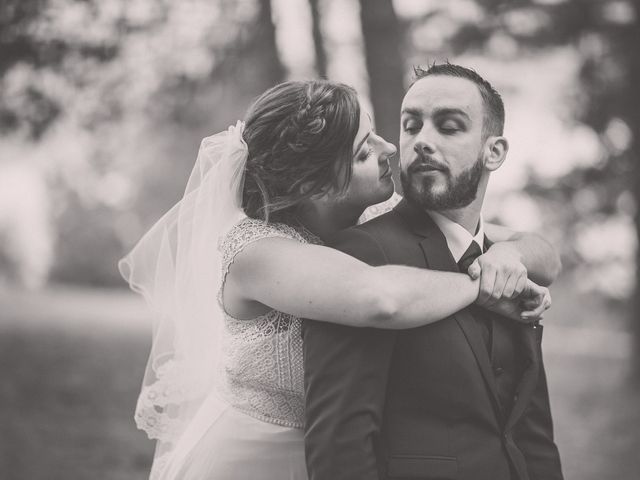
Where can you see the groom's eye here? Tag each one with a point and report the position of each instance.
(450, 126)
(411, 126)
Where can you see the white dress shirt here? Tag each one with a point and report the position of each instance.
(458, 238)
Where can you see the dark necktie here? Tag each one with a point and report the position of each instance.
(484, 320)
(473, 252)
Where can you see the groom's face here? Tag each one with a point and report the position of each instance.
(441, 142)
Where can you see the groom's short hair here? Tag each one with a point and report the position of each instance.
(493, 120)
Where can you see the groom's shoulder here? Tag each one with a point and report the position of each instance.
(388, 224)
(371, 240)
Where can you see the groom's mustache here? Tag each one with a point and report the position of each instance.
(426, 163)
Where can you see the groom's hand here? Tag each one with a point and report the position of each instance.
(528, 307)
(501, 273)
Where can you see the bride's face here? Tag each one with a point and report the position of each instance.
(371, 180)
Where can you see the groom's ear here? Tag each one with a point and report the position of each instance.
(495, 152)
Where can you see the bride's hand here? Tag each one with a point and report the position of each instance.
(501, 273)
(528, 307)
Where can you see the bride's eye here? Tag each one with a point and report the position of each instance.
(364, 155)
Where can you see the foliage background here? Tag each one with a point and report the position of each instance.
(102, 107)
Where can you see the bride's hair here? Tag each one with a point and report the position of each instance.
(300, 138)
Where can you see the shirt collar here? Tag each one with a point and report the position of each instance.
(458, 238)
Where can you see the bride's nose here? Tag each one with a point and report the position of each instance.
(389, 150)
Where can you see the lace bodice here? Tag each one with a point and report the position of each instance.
(380, 208)
(262, 357)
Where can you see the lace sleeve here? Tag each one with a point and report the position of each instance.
(248, 231)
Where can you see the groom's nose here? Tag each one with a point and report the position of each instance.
(424, 140)
(424, 147)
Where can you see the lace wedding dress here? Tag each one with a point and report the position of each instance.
(222, 397)
(258, 430)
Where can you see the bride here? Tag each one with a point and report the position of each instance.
(232, 268)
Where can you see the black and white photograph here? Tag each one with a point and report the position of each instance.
(319, 239)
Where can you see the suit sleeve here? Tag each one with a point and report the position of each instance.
(534, 433)
(346, 372)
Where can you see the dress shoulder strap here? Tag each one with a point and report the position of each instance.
(248, 231)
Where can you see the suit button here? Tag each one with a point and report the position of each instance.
(515, 398)
(498, 371)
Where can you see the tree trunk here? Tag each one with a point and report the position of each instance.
(318, 40)
(263, 52)
(385, 65)
(250, 66)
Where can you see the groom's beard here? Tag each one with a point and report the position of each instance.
(460, 191)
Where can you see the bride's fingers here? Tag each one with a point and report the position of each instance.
(547, 301)
(487, 282)
(531, 303)
(534, 313)
(475, 270)
(510, 287)
(520, 285)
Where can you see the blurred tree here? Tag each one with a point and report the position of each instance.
(607, 35)
(385, 65)
(25, 46)
(114, 113)
(318, 40)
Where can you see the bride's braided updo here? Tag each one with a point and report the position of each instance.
(300, 137)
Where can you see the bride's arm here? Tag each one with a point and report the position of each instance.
(312, 281)
(536, 254)
(321, 283)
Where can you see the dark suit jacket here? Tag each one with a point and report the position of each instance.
(419, 403)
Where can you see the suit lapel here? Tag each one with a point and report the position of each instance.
(529, 336)
(438, 257)
(529, 340)
(471, 330)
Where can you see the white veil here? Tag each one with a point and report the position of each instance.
(176, 266)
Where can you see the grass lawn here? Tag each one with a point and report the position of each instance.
(71, 362)
(69, 387)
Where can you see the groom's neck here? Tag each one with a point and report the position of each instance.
(468, 217)
(325, 222)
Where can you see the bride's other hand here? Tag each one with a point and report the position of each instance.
(528, 307)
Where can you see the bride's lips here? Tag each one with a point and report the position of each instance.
(386, 173)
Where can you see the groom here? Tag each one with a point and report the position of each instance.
(464, 398)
